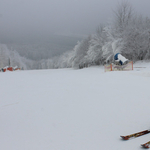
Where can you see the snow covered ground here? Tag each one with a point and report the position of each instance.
(69, 109)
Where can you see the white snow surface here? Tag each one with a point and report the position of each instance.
(68, 109)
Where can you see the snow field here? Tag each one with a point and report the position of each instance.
(68, 109)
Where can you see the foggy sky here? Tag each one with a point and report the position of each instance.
(59, 16)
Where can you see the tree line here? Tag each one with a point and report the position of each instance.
(127, 33)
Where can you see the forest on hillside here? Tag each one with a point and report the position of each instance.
(127, 33)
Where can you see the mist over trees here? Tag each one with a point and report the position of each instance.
(12, 58)
(127, 33)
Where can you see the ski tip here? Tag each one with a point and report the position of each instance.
(145, 145)
(124, 137)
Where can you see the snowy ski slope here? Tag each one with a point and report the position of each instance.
(67, 109)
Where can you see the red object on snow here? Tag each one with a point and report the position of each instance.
(10, 68)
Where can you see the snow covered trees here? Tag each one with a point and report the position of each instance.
(123, 15)
(12, 58)
(127, 33)
(4, 56)
(80, 51)
(94, 53)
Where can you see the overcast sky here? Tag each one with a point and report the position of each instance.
(60, 16)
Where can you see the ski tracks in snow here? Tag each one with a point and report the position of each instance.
(10, 104)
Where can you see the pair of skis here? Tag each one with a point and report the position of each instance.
(145, 145)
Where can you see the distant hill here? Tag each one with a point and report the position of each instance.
(36, 46)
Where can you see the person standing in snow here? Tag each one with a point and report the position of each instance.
(120, 60)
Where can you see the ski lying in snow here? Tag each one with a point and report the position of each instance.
(127, 137)
(146, 145)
